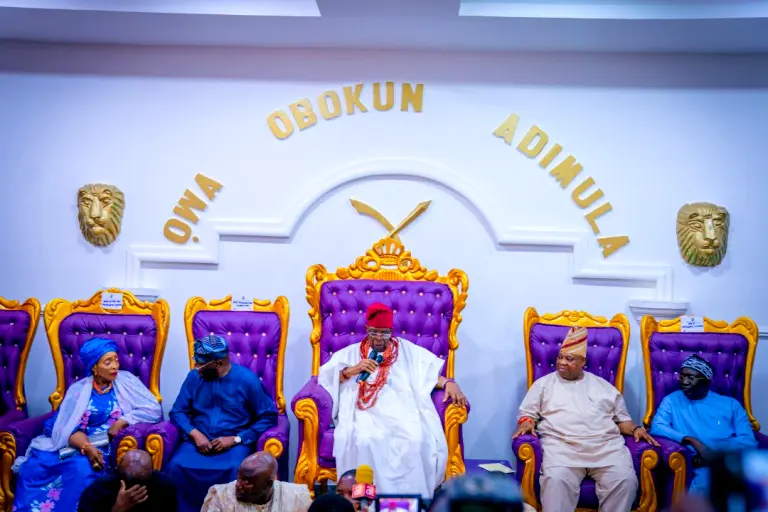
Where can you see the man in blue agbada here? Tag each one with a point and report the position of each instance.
(702, 420)
(221, 411)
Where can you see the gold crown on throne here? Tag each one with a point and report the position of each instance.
(387, 259)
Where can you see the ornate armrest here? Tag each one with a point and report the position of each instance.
(313, 407)
(161, 441)
(11, 416)
(130, 438)
(527, 450)
(678, 465)
(437, 399)
(762, 440)
(644, 454)
(275, 439)
(14, 440)
(21, 433)
(645, 457)
(452, 417)
(313, 403)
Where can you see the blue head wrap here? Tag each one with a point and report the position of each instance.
(210, 348)
(694, 362)
(93, 349)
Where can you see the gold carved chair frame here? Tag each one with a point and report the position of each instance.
(7, 442)
(573, 318)
(742, 325)
(386, 260)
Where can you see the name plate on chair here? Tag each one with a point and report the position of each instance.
(242, 303)
(113, 301)
(691, 324)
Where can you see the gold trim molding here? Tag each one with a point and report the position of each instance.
(280, 307)
(571, 318)
(59, 309)
(31, 306)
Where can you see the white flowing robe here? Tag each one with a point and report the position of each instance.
(401, 436)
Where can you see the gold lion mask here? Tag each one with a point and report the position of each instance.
(702, 233)
(100, 212)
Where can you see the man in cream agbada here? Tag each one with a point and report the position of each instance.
(581, 419)
(388, 420)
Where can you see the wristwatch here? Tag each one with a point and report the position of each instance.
(238, 440)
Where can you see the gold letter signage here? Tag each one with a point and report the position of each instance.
(178, 231)
(565, 172)
(331, 104)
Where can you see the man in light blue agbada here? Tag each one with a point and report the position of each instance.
(702, 420)
(221, 411)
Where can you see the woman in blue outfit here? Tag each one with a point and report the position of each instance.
(107, 401)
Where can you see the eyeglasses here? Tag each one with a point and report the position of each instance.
(379, 334)
(690, 378)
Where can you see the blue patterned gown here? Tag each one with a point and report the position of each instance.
(46, 483)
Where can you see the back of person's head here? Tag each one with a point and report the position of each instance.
(478, 492)
(135, 467)
(331, 503)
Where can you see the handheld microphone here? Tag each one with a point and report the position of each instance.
(376, 356)
(364, 490)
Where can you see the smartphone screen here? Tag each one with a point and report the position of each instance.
(398, 503)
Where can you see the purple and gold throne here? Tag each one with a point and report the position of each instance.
(140, 330)
(18, 325)
(256, 340)
(608, 341)
(730, 348)
(427, 311)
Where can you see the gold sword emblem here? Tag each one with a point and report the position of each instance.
(370, 211)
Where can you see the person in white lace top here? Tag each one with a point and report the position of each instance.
(257, 489)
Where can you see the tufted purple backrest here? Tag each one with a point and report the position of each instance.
(135, 336)
(726, 352)
(604, 350)
(253, 338)
(422, 312)
(14, 327)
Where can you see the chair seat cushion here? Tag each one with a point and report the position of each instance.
(588, 495)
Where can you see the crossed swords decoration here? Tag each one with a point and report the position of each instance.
(366, 209)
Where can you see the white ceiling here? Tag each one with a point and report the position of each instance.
(489, 25)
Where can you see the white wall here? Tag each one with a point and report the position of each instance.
(654, 131)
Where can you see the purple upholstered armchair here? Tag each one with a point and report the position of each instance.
(608, 341)
(140, 330)
(257, 341)
(731, 350)
(18, 325)
(427, 311)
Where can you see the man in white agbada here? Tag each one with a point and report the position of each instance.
(388, 420)
(580, 419)
(257, 489)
